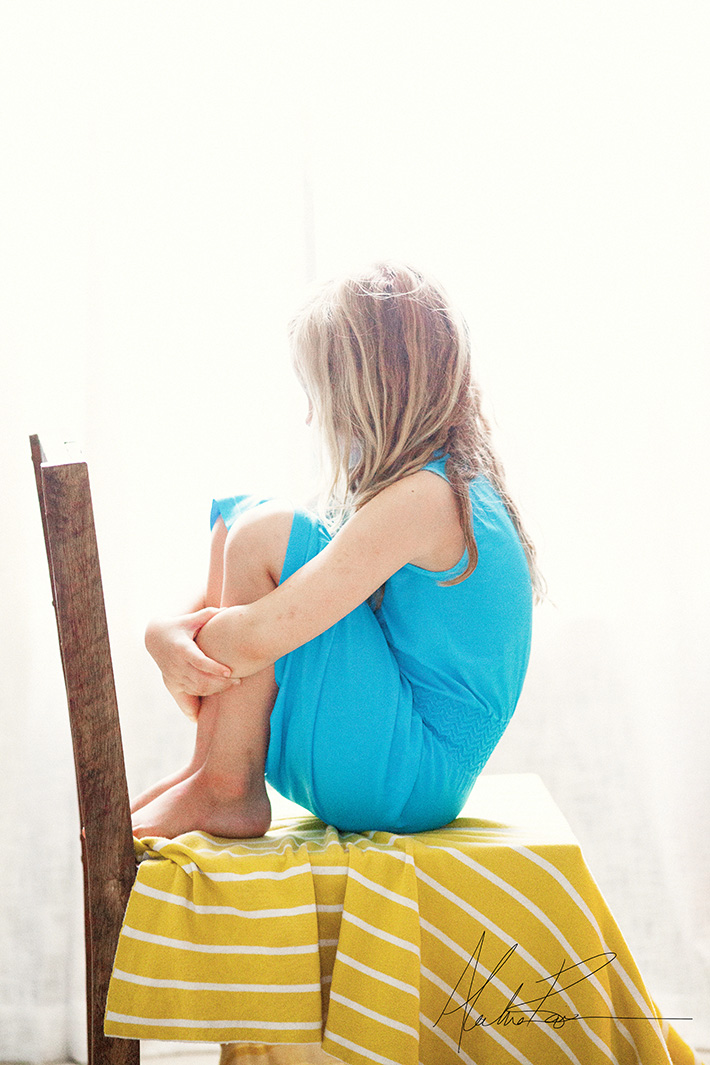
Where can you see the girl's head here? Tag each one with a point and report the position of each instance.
(385, 360)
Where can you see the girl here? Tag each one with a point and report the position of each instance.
(369, 674)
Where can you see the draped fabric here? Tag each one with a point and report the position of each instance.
(486, 940)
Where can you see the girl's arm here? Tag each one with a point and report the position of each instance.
(403, 523)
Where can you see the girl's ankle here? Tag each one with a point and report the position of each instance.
(221, 786)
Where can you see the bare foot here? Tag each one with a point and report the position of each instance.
(197, 804)
(162, 785)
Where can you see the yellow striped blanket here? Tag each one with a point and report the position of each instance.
(485, 941)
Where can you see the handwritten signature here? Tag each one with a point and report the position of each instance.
(534, 1010)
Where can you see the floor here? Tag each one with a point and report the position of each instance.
(170, 1054)
(206, 1056)
(209, 1055)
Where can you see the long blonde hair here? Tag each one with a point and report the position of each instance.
(385, 360)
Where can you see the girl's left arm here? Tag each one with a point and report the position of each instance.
(399, 525)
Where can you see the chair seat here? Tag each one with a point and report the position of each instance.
(487, 940)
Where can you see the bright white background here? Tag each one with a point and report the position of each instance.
(172, 174)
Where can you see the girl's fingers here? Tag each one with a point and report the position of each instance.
(208, 668)
(200, 663)
(200, 683)
(201, 617)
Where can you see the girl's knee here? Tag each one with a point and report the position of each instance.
(259, 538)
(269, 522)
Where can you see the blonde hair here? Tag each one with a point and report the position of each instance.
(385, 360)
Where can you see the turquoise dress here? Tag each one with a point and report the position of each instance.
(385, 720)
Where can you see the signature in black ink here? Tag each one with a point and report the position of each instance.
(534, 1010)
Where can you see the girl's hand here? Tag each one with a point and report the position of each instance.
(187, 672)
(189, 704)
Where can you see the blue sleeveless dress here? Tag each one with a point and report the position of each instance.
(386, 719)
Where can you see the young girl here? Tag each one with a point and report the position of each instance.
(368, 674)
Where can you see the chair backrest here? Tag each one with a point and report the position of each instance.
(107, 842)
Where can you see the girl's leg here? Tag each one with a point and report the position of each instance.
(213, 597)
(225, 793)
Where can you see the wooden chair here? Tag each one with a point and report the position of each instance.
(106, 837)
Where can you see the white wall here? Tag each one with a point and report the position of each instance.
(172, 175)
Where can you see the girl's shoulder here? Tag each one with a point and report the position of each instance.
(420, 487)
(482, 492)
(417, 499)
(430, 504)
